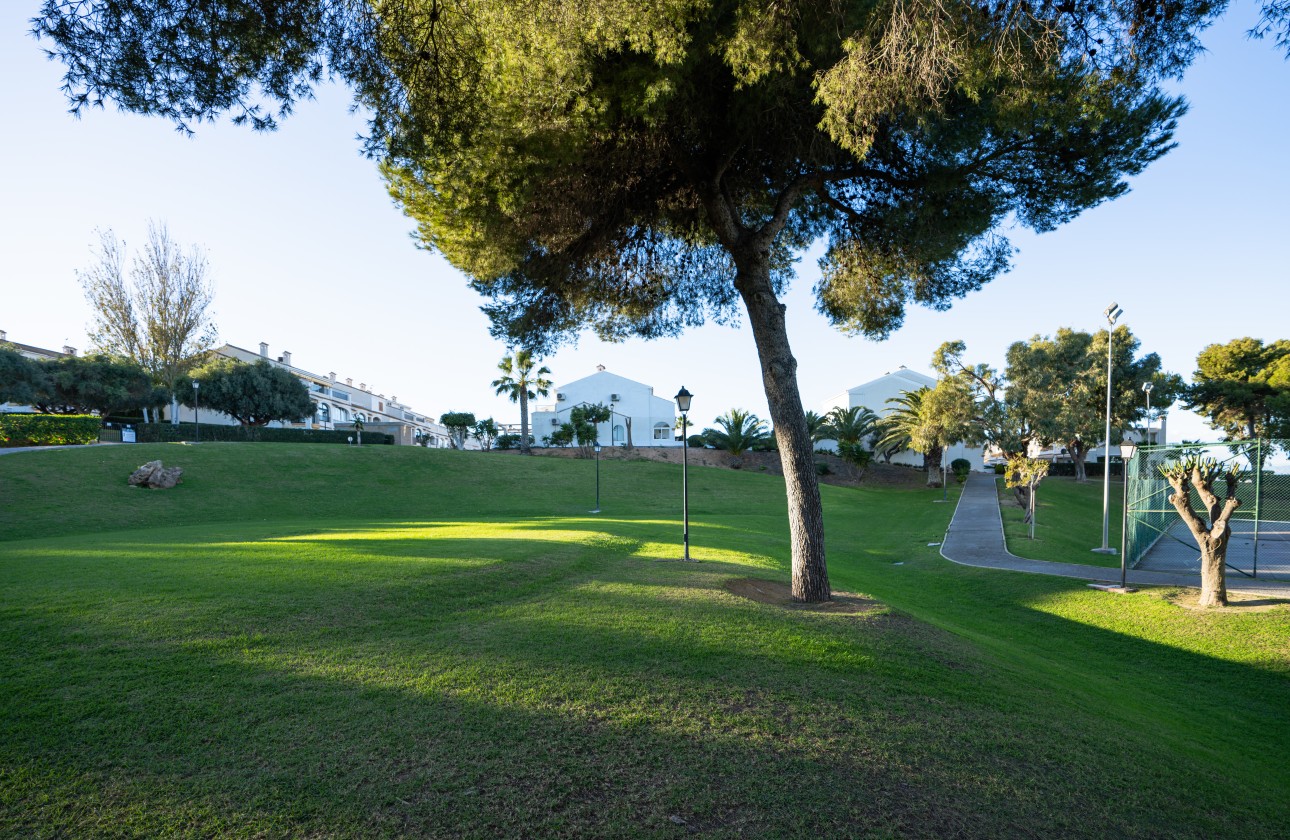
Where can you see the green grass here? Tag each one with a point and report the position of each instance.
(318, 641)
(1068, 524)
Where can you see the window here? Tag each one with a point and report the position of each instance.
(620, 434)
(324, 413)
(342, 415)
(662, 431)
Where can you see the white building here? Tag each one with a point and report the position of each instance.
(338, 404)
(873, 395)
(637, 416)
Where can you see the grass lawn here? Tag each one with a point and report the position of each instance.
(322, 641)
(1068, 524)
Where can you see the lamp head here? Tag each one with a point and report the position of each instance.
(683, 400)
(1148, 387)
(1112, 313)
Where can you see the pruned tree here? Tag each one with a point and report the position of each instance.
(639, 168)
(520, 382)
(459, 425)
(1023, 476)
(584, 426)
(253, 394)
(1211, 530)
(158, 312)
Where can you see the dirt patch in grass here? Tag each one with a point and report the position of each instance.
(781, 595)
(1237, 602)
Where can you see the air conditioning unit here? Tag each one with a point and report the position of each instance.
(555, 421)
(561, 397)
(615, 397)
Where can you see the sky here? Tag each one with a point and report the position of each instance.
(308, 253)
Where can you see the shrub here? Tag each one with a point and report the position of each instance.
(961, 467)
(696, 441)
(822, 468)
(167, 433)
(1000, 469)
(48, 429)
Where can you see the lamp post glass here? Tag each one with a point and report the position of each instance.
(1112, 313)
(683, 398)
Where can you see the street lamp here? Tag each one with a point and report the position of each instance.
(597, 448)
(197, 417)
(1146, 432)
(1112, 313)
(683, 404)
(1127, 451)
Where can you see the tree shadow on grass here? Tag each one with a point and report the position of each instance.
(588, 691)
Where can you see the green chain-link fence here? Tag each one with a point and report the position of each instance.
(1157, 539)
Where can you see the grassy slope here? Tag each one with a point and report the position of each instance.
(396, 641)
(1068, 524)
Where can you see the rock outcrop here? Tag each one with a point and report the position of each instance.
(154, 476)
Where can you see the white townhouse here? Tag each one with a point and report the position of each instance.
(874, 394)
(637, 416)
(337, 404)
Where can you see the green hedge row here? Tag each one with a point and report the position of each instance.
(47, 429)
(167, 433)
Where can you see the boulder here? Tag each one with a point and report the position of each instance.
(155, 476)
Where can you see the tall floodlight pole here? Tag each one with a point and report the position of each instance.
(1112, 313)
(1146, 431)
(683, 404)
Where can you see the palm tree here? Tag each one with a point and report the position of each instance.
(740, 431)
(909, 423)
(521, 383)
(849, 427)
(817, 425)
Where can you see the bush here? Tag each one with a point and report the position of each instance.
(1000, 469)
(822, 468)
(167, 433)
(696, 441)
(48, 429)
(961, 467)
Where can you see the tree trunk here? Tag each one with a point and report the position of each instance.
(1078, 453)
(524, 420)
(932, 462)
(628, 420)
(1213, 572)
(779, 377)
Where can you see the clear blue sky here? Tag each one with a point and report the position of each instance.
(309, 254)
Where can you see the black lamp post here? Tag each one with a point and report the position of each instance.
(683, 403)
(597, 449)
(197, 417)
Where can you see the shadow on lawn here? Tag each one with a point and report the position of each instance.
(587, 691)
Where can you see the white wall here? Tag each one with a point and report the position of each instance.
(635, 400)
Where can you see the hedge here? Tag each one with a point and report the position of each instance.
(168, 433)
(48, 429)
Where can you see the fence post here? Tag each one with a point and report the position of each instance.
(1258, 499)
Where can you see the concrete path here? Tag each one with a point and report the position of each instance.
(10, 450)
(975, 538)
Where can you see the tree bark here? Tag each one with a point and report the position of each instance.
(779, 377)
(1078, 452)
(1212, 537)
(932, 463)
(524, 421)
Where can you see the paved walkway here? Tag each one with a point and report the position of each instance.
(10, 450)
(975, 538)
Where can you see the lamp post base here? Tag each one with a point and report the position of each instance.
(1106, 551)
(1112, 587)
